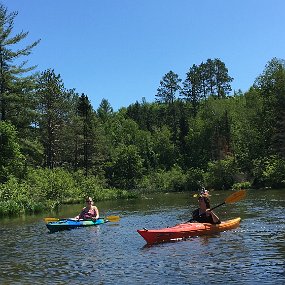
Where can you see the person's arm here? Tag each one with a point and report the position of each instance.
(80, 216)
(97, 213)
(195, 215)
(215, 218)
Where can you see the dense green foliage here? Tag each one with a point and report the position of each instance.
(55, 148)
(46, 189)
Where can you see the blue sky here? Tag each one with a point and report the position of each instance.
(120, 49)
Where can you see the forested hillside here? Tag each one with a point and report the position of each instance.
(55, 147)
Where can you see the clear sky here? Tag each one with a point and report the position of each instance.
(120, 49)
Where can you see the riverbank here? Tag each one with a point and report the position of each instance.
(46, 190)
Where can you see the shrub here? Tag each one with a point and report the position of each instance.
(220, 174)
(269, 172)
(47, 189)
(11, 159)
(56, 185)
(241, 185)
(165, 181)
(194, 179)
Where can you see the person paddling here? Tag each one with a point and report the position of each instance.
(203, 214)
(90, 212)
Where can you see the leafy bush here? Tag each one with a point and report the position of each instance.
(241, 185)
(46, 189)
(125, 171)
(19, 198)
(165, 181)
(269, 172)
(220, 174)
(194, 179)
(56, 184)
(11, 159)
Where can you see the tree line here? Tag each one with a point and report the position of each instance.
(54, 143)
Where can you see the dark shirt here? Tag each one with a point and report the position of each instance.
(203, 218)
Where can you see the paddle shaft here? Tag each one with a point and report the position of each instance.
(108, 218)
(218, 206)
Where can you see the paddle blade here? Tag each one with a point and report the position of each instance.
(235, 197)
(47, 220)
(113, 218)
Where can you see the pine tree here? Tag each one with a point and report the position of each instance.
(105, 110)
(84, 111)
(54, 106)
(192, 90)
(13, 86)
(169, 85)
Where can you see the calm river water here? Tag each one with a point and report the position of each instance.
(114, 253)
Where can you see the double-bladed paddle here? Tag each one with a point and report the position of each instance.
(233, 198)
(108, 218)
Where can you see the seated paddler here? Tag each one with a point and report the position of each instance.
(203, 214)
(90, 212)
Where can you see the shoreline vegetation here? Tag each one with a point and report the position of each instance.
(45, 190)
(56, 148)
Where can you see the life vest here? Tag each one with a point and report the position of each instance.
(202, 218)
(86, 215)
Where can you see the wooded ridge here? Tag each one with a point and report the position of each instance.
(55, 148)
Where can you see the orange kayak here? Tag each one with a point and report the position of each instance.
(186, 230)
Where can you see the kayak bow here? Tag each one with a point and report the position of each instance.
(186, 230)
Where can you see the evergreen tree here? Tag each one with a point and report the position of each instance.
(207, 79)
(84, 111)
(192, 90)
(54, 106)
(169, 85)
(13, 86)
(216, 77)
(105, 110)
(222, 79)
(166, 93)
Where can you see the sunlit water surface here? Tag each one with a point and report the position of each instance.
(114, 253)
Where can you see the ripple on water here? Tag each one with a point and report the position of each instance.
(254, 253)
